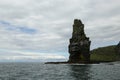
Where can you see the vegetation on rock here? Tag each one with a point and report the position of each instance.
(107, 53)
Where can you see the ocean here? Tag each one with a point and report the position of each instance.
(41, 71)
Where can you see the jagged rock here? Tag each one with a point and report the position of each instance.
(79, 47)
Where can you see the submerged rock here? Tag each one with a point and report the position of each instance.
(79, 47)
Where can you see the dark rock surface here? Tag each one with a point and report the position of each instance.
(79, 47)
(81, 62)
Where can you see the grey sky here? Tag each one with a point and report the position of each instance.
(45, 26)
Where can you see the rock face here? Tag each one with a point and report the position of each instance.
(79, 47)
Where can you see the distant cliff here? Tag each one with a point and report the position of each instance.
(108, 53)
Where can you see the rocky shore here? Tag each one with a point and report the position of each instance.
(82, 62)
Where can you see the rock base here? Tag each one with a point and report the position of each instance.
(82, 62)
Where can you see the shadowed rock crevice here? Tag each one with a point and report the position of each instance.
(79, 47)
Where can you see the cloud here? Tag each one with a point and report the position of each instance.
(46, 25)
(28, 56)
(11, 27)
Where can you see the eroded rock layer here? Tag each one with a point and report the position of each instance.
(79, 47)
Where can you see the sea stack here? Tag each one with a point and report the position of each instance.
(79, 47)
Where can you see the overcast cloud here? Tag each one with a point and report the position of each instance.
(43, 27)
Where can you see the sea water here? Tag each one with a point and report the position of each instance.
(41, 71)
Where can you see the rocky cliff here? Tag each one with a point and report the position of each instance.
(79, 47)
(118, 49)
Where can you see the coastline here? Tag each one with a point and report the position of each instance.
(82, 62)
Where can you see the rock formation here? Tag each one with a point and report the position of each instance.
(79, 47)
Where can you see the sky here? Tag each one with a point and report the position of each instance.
(35, 30)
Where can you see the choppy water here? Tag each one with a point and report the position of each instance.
(40, 71)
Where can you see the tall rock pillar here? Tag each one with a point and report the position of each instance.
(79, 47)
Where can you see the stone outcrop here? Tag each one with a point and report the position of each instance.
(79, 47)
